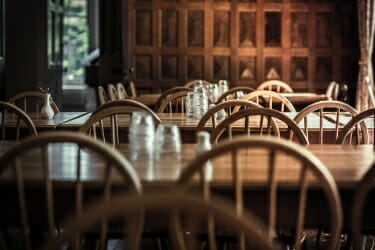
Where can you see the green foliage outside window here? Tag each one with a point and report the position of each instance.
(75, 40)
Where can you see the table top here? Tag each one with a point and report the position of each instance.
(346, 163)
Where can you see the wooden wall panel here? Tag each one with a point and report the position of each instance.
(307, 43)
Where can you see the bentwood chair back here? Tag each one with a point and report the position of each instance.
(105, 122)
(169, 207)
(32, 101)
(122, 93)
(276, 85)
(356, 131)
(102, 95)
(259, 121)
(233, 93)
(167, 93)
(363, 194)
(280, 157)
(214, 114)
(14, 121)
(31, 166)
(112, 92)
(273, 100)
(132, 89)
(333, 113)
(174, 103)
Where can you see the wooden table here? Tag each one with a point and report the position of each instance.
(346, 163)
(187, 126)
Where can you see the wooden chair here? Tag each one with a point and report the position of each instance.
(275, 85)
(191, 84)
(260, 121)
(122, 93)
(273, 99)
(132, 89)
(355, 131)
(331, 112)
(231, 93)
(168, 207)
(169, 92)
(85, 154)
(174, 103)
(277, 154)
(102, 95)
(112, 115)
(362, 194)
(112, 92)
(31, 101)
(332, 90)
(227, 107)
(13, 116)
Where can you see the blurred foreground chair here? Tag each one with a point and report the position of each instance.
(245, 173)
(172, 207)
(258, 121)
(332, 113)
(15, 118)
(34, 187)
(363, 195)
(273, 100)
(32, 101)
(275, 85)
(105, 121)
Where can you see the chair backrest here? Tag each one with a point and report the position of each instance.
(84, 157)
(361, 195)
(169, 207)
(32, 101)
(355, 131)
(276, 85)
(132, 89)
(193, 83)
(232, 93)
(333, 112)
(332, 90)
(214, 113)
(105, 121)
(14, 117)
(259, 121)
(122, 93)
(167, 93)
(273, 100)
(102, 95)
(278, 158)
(174, 103)
(112, 92)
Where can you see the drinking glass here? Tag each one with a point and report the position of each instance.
(141, 136)
(167, 148)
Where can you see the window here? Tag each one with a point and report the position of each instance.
(75, 41)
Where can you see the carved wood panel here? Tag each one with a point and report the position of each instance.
(307, 43)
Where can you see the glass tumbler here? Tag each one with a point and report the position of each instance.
(167, 154)
(141, 135)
